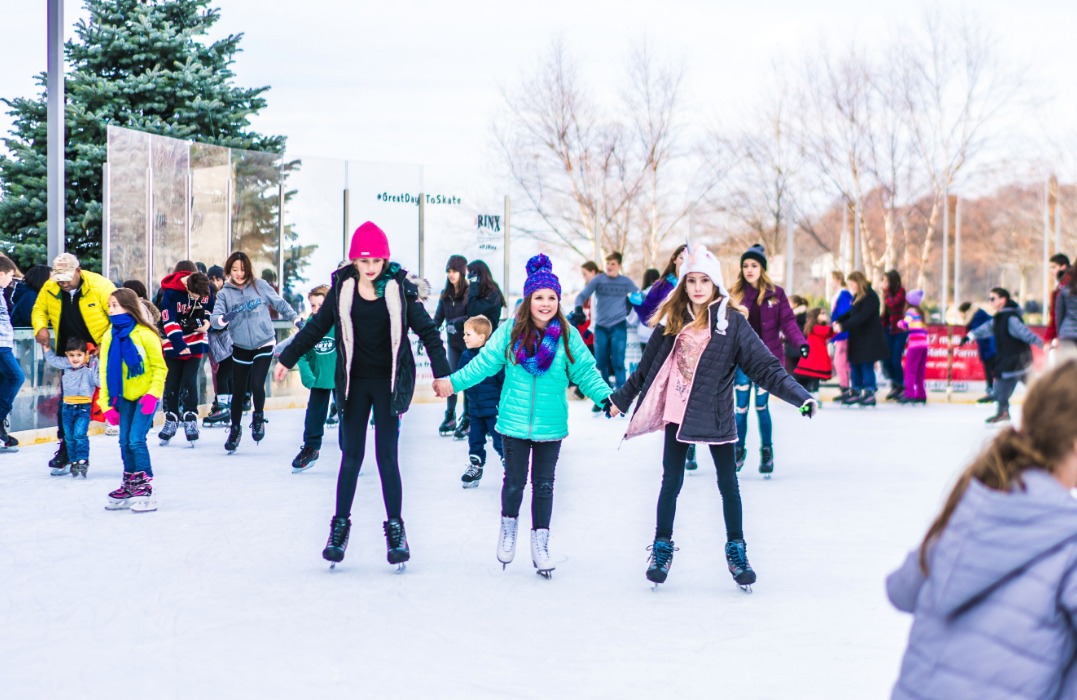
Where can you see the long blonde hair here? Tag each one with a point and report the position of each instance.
(671, 310)
(1048, 432)
(863, 286)
(764, 285)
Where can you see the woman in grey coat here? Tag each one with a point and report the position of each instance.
(242, 307)
(993, 586)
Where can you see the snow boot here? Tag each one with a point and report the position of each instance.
(766, 460)
(80, 468)
(339, 529)
(396, 542)
(169, 430)
(141, 490)
(690, 460)
(7, 443)
(304, 460)
(506, 546)
(258, 427)
(540, 552)
(740, 455)
(660, 560)
(473, 474)
(220, 414)
(60, 458)
(462, 429)
(448, 426)
(736, 556)
(190, 426)
(234, 436)
(120, 498)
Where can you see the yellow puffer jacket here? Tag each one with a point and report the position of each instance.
(93, 301)
(152, 379)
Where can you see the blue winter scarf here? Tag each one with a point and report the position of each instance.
(122, 351)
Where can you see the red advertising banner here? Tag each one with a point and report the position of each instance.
(966, 366)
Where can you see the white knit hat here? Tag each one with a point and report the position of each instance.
(699, 259)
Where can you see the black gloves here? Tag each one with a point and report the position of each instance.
(804, 350)
(607, 406)
(964, 339)
(577, 317)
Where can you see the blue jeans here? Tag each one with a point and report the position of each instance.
(610, 344)
(134, 425)
(481, 426)
(862, 376)
(896, 343)
(743, 389)
(76, 418)
(11, 379)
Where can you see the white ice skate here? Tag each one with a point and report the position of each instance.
(506, 548)
(540, 552)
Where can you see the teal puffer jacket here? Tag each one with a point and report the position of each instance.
(534, 408)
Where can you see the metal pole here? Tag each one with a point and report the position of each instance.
(789, 255)
(55, 88)
(857, 254)
(957, 252)
(1046, 248)
(508, 258)
(944, 295)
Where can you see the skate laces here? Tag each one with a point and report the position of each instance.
(338, 532)
(662, 552)
(473, 470)
(508, 534)
(737, 553)
(542, 545)
(394, 532)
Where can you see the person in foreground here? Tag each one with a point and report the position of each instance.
(540, 354)
(371, 306)
(685, 387)
(132, 380)
(993, 586)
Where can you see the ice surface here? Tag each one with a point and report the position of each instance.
(222, 593)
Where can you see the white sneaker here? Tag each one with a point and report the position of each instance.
(112, 429)
(540, 552)
(506, 548)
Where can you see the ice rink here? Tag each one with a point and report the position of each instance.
(222, 593)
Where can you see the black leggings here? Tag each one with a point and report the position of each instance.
(543, 458)
(673, 477)
(364, 395)
(181, 385)
(250, 365)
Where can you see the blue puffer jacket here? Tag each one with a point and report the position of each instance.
(995, 616)
(482, 399)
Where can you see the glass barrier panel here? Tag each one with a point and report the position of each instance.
(255, 210)
(37, 404)
(210, 180)
(128, 213)
(170, 199)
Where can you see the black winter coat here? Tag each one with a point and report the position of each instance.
(867, 337)
(483, 398)
(489, 306)
(453, 312)
(403, 298)
(708, 417)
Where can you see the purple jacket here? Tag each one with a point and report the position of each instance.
(659, 291)
(776, 319)
(995, 617)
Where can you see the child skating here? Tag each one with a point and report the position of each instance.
(78, 382)
(685, 387)
(915, 349)
(132, 380)
(482, 400)
(540, 354)
(317, 370)
(817, 366)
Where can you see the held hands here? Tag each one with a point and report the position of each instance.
(443, 388)
(611, 410)
(809, 409)
(577, 317)
(804, 350)
(148, 404)
(42, 337)
(837, 328)
(278, 373)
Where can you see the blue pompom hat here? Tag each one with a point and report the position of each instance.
(540, 276)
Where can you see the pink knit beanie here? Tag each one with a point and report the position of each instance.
(369, 241)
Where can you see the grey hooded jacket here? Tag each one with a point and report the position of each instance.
(75, 382)
(245, 311)
(995, 616)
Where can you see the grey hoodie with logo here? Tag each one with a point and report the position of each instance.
(995, 616)
(244, 311)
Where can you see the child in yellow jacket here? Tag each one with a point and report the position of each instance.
(133, 371)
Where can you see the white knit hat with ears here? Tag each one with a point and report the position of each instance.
(698, 259)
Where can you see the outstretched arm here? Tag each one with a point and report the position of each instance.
(756, 361)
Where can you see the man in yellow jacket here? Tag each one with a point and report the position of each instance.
(75, 303)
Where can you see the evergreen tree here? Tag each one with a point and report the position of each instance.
(137, 64)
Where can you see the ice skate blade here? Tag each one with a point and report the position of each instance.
(300, 470)
(5, 448)
(332, 566)
(401, 568)
(60, 472)
(767, 476)
(114, 504)
(144, 506)
(471, 484)
(747, 587)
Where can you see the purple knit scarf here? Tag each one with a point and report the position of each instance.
(545, 350)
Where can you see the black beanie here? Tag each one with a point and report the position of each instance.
(458, 263)
(757, 253)
(215, 271)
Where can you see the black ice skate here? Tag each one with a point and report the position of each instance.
(740, 455)
(989, 397)
(462, 429)
(766, 461)
(851, 399)
(62, 469)
(339, 529)
(396, 542)
(448, 426)
(169, 430)
(690, 460)
(867, 399)
(220, 415)
(840, 398)
(80, 468)
(736, 555)
(60, 458)
(895, 393)
(7, 443)
(1000, 418)
(660, 560)
(190, 426)
(234, 436)
(334, 417)
(304, 460)
(473, 474)
(258, 427)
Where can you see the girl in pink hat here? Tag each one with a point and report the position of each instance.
(372, 305)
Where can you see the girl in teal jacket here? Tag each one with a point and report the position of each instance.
(541, 353)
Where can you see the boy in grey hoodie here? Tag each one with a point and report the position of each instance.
(79, 382)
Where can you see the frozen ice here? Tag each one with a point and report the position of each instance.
(222, 593)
